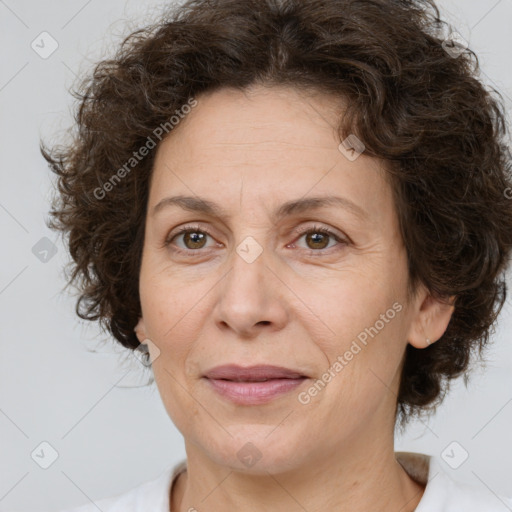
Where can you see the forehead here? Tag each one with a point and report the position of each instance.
(265, 116)
(271, 143)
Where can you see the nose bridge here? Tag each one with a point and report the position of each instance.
(245, 282)
(247, 298)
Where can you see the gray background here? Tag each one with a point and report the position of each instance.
(54, 388)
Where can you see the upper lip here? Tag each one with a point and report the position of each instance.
(251, 373)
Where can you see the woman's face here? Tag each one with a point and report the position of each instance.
(245, 286)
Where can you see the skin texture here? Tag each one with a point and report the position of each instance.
(300, 304)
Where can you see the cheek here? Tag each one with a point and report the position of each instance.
(362, 381)
(366, 349)
(171, 307)
(371, 337)
(350, 305)
(182, 409)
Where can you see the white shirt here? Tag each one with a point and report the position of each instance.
(442, 493)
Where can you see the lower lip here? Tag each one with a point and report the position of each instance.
(254, 393)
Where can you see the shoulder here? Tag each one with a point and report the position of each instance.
(444, 493)
(457, 496)
(150, 495)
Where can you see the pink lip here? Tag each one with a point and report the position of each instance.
(239, 384)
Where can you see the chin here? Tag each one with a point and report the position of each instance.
(255, 449)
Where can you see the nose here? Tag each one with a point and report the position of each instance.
(252, 296)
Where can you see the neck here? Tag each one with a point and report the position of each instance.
(345, 483)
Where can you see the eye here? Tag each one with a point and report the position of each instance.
(317, 238)
(193, 237)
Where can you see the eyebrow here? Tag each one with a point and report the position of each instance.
(201, 205)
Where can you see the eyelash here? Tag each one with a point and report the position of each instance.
(300, 231)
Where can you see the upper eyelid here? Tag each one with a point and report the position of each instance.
(190, 227)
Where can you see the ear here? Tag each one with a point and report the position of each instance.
(140, 331)
(430, 318)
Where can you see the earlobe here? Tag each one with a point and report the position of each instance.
(432, 317)
(140, 331)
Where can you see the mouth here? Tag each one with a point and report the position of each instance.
(253, 385)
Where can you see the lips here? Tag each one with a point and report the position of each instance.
(258, 373)
(253, 385)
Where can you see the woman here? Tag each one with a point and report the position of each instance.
(297, 209)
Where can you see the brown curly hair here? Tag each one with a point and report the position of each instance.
(411, 102)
